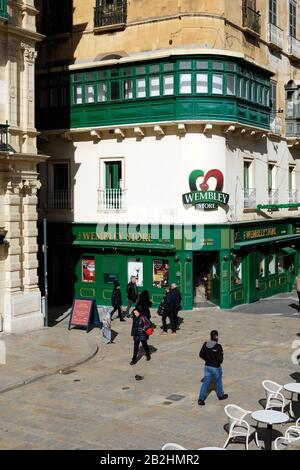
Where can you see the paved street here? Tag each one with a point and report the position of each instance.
(100, 405)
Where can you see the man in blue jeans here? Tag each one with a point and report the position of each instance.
(212, 353)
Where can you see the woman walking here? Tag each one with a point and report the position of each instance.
(145, 303)
(139, 326)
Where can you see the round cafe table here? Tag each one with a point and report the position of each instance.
(294, 388)
(269, 417)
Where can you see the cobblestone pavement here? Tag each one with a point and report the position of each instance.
(100, 404)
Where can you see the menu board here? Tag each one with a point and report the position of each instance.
(84, 313)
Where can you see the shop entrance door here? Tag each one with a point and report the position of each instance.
(206, 278)
(252, 276)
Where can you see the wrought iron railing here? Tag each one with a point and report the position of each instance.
(275, 35)
(293, 196)
(292, 128)
(61, 199)
(273, 196)
(108, 14)
(249, 198)
(112, 200)
(251, 18)
(294, 47)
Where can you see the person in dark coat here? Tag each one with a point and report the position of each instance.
(166, 311)
(212, 353)
(139, 326)
(132, 294)
(145, 303)
(116, 300)
(176, 303)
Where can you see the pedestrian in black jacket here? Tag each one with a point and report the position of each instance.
(132, 294)
(166, 311)
(116, 300)
(139, 326)
(176, 303)
(145, 303)
(212, 353)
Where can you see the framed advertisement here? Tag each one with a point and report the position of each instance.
(160, 273)
(135, 268)
(88, 270)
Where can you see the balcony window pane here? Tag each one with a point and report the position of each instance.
(77, 77)
(115, 90)
(168, 85)
(230, 88)
(102, 92)
(154, 68)
(154, 86)
(201, 64)
(141, 88)
(101, 74)
(168, 67)
(114, 73)
(140, 70)
(89, 77)
(127, 71)
(230, 66)
(218, 65)
(217, 84)
(185, 65)
(128, 86)
(185, 83)
(202, 83)
(89, 94)
(78, 95)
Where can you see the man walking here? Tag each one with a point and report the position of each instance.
(176, 303)
(132, 294)
(212, 353)
(116, 300)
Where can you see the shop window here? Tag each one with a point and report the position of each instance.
(128, 89)
(185, 83)
(217, 84)
(262, 266)
(215, 271)
(169, 85)
(88, 271)
(280, 264)
(89, 94)
(136, 268)
(271, 264)
(141, 88)
(237, 270)
(160, 273)
(102, 92)
(202, 83)
(110, 268)
(230, 85)
(154, 85)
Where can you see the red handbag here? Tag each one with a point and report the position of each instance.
(149, 330)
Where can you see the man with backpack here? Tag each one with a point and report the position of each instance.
(132, 294)
(176, 303)
(212, 353)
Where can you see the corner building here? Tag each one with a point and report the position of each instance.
(173, 130)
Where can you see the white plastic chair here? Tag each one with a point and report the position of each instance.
(294, 431)
(238, 426)
(172, 446)
(276, 399)
(292, 434)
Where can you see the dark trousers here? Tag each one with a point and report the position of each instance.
(298, 297)
(164, 322)
(117, 307)
(173, 321)
(136, 348)
(176, 318)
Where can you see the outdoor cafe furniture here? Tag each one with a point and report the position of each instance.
(238, 426)
(275, 397)
(270, 417)
(293, 388)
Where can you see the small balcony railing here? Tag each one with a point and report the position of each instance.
(109, 14)
(275, 124)
(249, 198)
(251, 19)
(294, 47)
(293, 196)
(292, 128)
(112, 200)
(61, 199)
(275, 36)
(273, 196)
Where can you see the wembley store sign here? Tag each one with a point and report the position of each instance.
(204, 197)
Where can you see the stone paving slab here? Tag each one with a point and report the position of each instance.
(38, 354)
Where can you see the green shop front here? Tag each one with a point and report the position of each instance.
(236, 263)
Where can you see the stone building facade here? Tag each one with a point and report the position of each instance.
(20, 299)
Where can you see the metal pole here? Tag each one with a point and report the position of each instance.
(45, 251)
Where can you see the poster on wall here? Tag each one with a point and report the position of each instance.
(88, 270)
(160, 273)
(135, 268)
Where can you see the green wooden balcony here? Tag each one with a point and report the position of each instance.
(3, 9)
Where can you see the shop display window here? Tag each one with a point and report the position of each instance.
(237, 270)
(136, 268)
(88, 270)
(160, 273)
(280, 264)
(271, 264)
(262, 266)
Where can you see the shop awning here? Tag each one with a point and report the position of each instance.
(288, 250)
(125, 245)
(281, 238)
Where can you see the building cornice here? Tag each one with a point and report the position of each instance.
(11, 157)
(21, 32)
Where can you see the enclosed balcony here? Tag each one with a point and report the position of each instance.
(275, 36)
(110, 14)
(251, 18)
(111, 200)
(3, 9)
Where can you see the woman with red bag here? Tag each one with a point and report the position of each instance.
(141, 328)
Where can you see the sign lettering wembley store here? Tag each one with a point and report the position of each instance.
(204, 198)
